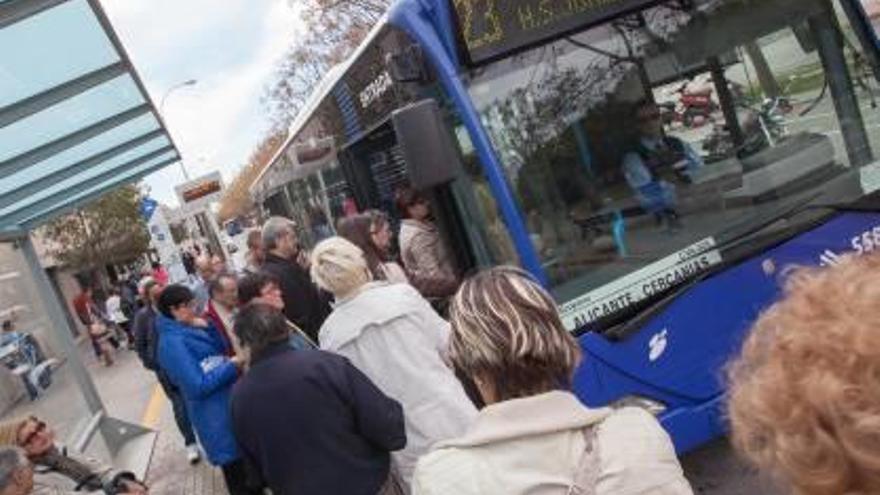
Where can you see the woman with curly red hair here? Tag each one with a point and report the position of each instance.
(804, 398)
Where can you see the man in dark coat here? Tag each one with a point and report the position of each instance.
(304, 304)
(308, 421)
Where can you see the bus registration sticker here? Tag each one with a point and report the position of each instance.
(641, 284)
(870, 177)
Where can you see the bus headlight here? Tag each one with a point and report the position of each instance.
(652, 406)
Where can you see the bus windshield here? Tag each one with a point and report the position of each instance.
(637, 146)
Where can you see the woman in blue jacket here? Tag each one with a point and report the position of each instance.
(195, 358)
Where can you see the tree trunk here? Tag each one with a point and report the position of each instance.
(762, 69)
(94, 265)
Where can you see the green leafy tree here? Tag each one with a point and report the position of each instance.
(109, 230)
(236, 200)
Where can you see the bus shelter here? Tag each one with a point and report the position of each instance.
(75, 123)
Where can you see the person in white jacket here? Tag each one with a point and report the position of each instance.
(393, 336)
(535, 437)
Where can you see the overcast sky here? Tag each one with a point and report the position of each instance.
(230, 47)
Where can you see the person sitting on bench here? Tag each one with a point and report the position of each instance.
(656, 163)
(63, 468)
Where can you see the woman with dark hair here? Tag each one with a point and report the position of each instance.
(263, 288)
(309, 421)
(425, 255)
(535, 436)
(196, 360)
(371, 231)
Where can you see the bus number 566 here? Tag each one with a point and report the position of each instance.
(867, 242)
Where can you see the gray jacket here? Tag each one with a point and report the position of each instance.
(62, 471)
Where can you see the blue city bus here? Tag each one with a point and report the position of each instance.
(657, 165)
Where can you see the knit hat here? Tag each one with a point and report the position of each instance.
(9, 431)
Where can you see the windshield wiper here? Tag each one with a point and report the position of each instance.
(618, 326)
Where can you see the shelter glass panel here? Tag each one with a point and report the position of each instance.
(72, 185)
(29, 341)
(61, 43)
(125, 132)
(57, 121)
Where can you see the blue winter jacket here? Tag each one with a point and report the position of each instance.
(195, 360)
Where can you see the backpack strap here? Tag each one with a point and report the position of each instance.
(296, 329)
(587, 471)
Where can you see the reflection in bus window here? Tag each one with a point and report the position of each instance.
(637, 139)
(872, 8)
(485, 211)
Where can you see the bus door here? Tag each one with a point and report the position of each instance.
(277, 205)
(413, 149)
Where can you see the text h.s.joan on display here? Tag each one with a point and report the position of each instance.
(491, 29)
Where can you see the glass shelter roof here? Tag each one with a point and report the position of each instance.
(75, 119)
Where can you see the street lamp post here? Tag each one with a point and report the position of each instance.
(172, 89)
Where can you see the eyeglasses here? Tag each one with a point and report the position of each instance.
(29, 439)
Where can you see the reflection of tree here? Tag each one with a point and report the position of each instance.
(529, 128)
(566, 98)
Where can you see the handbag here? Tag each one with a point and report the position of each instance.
(587, 472)
(99, 331)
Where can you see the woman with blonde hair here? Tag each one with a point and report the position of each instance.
(534, 436)
(804, 397)
(393, 336)
(61, 470)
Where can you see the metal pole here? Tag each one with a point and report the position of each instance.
(865, 32)
(215, 227)
(168, 93)
(417, 26)
(325, 201)
(60, 326)
(846, 105)
(725, 98)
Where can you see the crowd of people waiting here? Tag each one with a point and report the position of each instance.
(332, 373)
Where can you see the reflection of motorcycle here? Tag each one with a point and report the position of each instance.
(693, 108)
(762, 128)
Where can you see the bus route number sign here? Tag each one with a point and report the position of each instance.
(491, 29)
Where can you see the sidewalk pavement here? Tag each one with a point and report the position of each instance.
(170, 472)
(132, 393)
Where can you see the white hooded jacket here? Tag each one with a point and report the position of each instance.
(395, 337)
(535, 446)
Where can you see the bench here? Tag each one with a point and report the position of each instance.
(708, 187)
(800, 162)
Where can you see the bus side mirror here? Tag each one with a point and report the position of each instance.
(431, 156)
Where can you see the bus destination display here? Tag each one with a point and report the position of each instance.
(491, 29)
